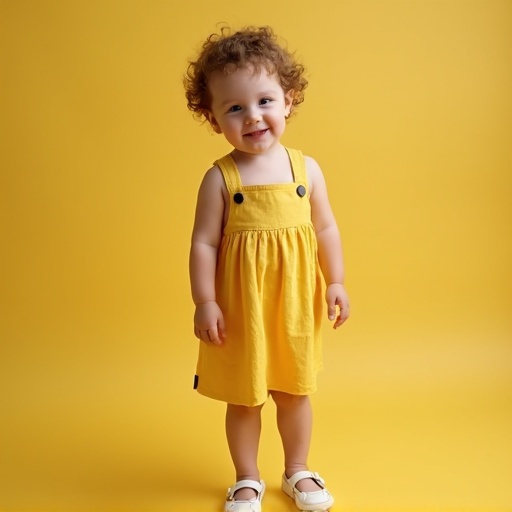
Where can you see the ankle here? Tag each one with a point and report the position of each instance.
(248, 476)
(291, 470)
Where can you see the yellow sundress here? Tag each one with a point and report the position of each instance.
(269, 288)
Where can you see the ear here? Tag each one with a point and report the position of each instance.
(288, 102)
(212, 121)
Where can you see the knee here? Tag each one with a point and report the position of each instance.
(287, 400)
(243, 410)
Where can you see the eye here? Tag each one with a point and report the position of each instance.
(235, 108)
(265, 101)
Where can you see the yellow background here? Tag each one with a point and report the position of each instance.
(408, 113)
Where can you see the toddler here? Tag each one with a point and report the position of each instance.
(264, 236)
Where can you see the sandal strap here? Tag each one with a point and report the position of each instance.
(302, 475)
(244, 484)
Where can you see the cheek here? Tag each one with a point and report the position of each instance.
(280, 119)
(230, 126)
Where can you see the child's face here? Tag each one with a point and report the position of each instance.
(249, 107)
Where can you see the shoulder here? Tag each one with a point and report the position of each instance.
(213, 177)
(314, 173)
(312, 165)
(213, 173)
(213, 184)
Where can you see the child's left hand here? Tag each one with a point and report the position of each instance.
(336, 297)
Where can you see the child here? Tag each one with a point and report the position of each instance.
(264, 234)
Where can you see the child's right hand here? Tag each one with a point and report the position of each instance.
(209, 323)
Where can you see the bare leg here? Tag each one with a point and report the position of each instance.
(295, 421)
(243, 428)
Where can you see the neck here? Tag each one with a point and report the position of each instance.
(242, 157)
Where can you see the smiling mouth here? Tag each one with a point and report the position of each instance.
(256, 134)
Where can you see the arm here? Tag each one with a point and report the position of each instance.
(330, 252)
(208, 318)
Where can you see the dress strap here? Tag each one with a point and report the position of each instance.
(298, 166)
(230, 174)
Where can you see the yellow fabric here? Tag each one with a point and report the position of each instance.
(269, 288)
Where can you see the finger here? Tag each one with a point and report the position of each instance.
(339, 321)
(197, 332)
(345, 310)
(343, 316)
(222, 329)
(214, 335)
(208, 336)
(331, 311)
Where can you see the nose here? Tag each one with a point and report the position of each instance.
(252, 116)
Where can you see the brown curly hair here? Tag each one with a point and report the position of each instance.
(226, 52)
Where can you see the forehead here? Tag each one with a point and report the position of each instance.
(242, 80)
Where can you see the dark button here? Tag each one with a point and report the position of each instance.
(301, 191)
(238, 198)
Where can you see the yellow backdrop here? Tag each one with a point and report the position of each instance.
(409, 114)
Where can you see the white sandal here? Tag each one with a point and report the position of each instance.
(308, 501)
(253, 505)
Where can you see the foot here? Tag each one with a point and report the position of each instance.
(245, 493)
(318, 499)
(306, 485)
(245, 496)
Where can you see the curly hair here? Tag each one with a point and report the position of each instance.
(226, 52)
